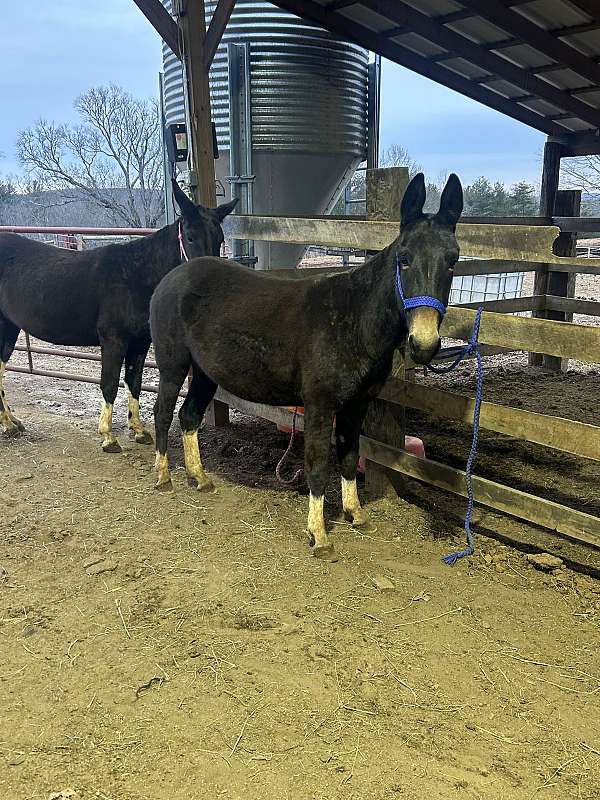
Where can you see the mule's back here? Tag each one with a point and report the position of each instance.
(246, 329)
(52, 293)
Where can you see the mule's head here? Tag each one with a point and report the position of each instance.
(202, 231)
(427, 253)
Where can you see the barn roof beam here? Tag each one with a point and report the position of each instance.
(355, 32)
(589, 7)
(518, 26)
(572, 30)
(215, 31)
(459, 45)
(162, 22)
(580, 144)
(443, 19)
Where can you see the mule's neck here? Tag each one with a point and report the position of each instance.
(382, 322)
(156, 254)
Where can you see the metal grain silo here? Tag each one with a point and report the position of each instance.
(308, 109)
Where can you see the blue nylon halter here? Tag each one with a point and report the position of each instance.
(457, 354)
(421, 300)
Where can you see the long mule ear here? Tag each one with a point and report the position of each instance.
(451, 202)
(187, 208)
(413, 201)
(225, 209)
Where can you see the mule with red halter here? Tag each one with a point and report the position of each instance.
(98, 297)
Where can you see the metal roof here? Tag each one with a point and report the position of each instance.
(537, 61)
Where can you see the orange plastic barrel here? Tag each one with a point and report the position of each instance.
(284, 428)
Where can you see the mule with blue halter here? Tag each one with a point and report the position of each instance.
(325, 343)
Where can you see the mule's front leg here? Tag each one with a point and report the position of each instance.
(317, 439)
(348, 423)
(113, 353)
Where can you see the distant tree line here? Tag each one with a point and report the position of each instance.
(482, 197)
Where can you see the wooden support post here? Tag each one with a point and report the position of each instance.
(562, 284)
(385, 190)
(217, 26)
(193, 26)
(217, 414)
(550, 179)
(385, 421)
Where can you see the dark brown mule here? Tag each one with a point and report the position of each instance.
(326, 344)
(97, 297)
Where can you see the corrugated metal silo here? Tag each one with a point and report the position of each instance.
(308, 111)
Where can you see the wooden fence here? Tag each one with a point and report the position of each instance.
(497, 248)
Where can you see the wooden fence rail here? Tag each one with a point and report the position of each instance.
(496, 248)
(566, 435)
(564, 339)
(571, 523)
(576, 525)
(518, 243)
(492, 248)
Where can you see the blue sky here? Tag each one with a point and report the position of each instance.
(52, 50)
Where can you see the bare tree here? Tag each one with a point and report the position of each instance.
(582, 173)
(397, 156)
(113, 157)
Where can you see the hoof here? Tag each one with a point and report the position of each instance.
(207, 486)
(365, 527)
(13, 431)
(144, 438)
(325, 553)
(112, 447)
(19, 424)
(167, 486)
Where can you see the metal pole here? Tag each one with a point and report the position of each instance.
(241, 178)
(373, 114)
(167, 170)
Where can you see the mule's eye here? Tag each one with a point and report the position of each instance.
(403, 259)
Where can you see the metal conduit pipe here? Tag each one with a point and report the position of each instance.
(78, 355)
(69, 376)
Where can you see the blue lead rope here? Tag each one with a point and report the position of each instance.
(457, 354)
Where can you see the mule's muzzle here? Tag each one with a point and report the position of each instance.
(424, 334)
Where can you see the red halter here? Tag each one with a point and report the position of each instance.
(182, 253)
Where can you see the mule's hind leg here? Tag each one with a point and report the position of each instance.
(317, 439)
(113, 352)
(134, 368)
(171, 381)
(8, 337)
(348, 422)
(201, 392)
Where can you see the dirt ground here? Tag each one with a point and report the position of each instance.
(187, 646)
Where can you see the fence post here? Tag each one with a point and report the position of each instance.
(217, 414)
(550, 178)
(385, 421)
(562, 284)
